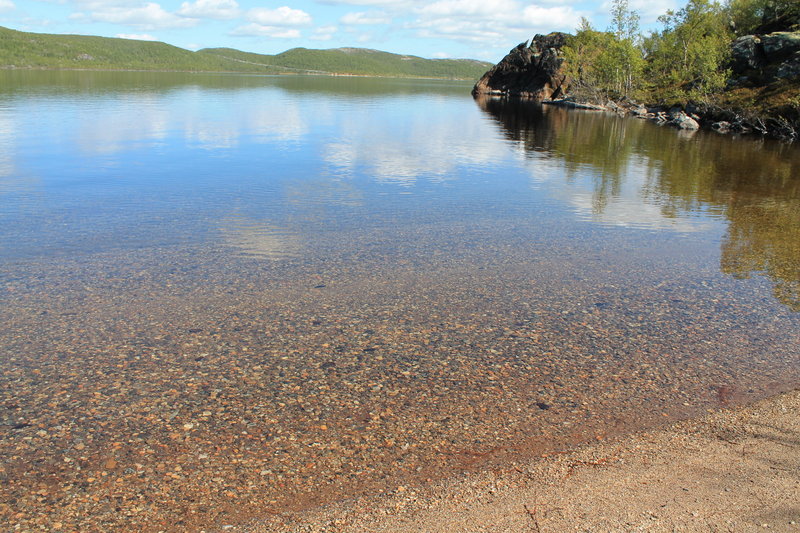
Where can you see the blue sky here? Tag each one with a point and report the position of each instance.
(481, 29)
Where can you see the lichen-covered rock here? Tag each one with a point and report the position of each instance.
(531, 71)
(746, 53)
(682, 121)
(790, 68)
(762, 59)
(780, 45)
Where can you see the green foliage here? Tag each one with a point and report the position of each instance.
(753, 16)
(688, 55)
(684, 61)
(609, 61)
(624, 22)
(37, 50)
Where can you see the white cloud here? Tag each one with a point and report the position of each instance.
(148, 16)
(500, 23)
(649, 10)
(210, 9)
(137, 36)
(274, 32)
(324, 33)
(441, 55)
(280, 23)
(6, 5)
(282, 16)
(366, 18)
(468, 8)
(472, 32)
(389, 3)
(558, 17)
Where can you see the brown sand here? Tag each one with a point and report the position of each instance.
(732, 470)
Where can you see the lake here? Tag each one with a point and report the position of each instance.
(226, 296)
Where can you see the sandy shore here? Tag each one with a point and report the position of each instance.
(732, 470)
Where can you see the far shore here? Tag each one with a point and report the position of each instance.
(229, 72)
(731, 470)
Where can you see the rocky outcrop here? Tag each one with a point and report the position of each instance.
(530, 70)
(763, 59)
(759, 62)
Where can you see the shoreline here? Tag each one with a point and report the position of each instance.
(692, 117)
(228, 72)
(736, 469)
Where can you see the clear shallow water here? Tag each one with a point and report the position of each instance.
(295, 289)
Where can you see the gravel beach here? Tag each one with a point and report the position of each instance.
(732, 470)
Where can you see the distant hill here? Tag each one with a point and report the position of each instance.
(357, 61)
(41, 50)
(49, 51)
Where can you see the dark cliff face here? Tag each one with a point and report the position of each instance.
(531, 71)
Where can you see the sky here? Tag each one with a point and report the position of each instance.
(478, 29)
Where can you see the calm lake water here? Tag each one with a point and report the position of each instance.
(228, 296)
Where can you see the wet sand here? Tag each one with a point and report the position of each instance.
(732, 470)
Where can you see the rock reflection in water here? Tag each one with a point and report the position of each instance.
(752, 184)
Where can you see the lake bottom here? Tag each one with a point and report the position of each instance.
(187, 387)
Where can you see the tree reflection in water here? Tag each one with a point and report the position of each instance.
(753, 184)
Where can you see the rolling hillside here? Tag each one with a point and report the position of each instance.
(48, 51)
(357, 61)
(41, 50)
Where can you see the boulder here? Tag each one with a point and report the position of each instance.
(763, 59)
(683, 121)
(746, 53)
(780, 45)
(789, 68)
(529, 70)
